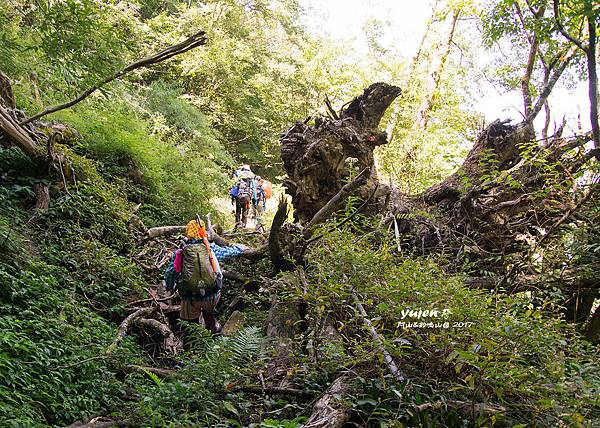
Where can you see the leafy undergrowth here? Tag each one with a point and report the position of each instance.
(452, 342)
(65, 276)
(157, 147)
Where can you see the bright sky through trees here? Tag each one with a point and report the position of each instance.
(404, 22)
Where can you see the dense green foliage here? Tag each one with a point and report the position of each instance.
(66, 277)
(159, 145)
(479, 346)
(50, 341)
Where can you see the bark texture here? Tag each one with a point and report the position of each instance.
(436, 68)
(7, 97)
(496, 203)
(330, 411)
(319, 157)
(592, 332)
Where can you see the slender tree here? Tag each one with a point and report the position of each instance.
(587, 14)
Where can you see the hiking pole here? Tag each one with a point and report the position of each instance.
(211, 256)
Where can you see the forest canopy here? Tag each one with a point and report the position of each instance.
(430, 255)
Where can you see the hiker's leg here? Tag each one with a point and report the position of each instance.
(188, 314)
(259, 213)
(245, 212)
(238, 212)
(208, 313)
(211, 321)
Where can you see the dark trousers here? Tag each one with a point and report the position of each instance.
(242, 206)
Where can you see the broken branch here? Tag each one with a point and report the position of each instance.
(379, 341)
(334, 202)
(195, 40)
(155, 232)
(124, 327)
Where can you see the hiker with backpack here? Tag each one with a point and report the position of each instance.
(195, 272)
(242, 193)
(243, 172)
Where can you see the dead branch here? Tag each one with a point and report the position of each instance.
(195, 40)
(151, 299)
(350, 217)
(124, 327)
(171, 343)
(98, 422)
(78, 363)
(234, 276)
(547, 89)
(160, 372)
(248, 253)
(275, 250)
(379, 341)
(257, 389)
(333, 113)
(567, 215)
(17, 135)
(155, 232)
(214, 236)
(334, 203)
(465, 407)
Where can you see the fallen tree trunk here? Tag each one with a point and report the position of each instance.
(171, 344)
(315, 157)
(155, 232)
(248, 253)
(496, 201)
(17, 135)
(124, 327)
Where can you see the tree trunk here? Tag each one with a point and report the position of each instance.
(580, 302)
(7, 97)
(593, 82)
(315, 156)
(16, 134)
(592, 333)
(437, 68)
(417, 56)
(526, 79)
(42, 196)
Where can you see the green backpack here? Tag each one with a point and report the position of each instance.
(198, 278)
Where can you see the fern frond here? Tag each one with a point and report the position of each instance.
(245, 345)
